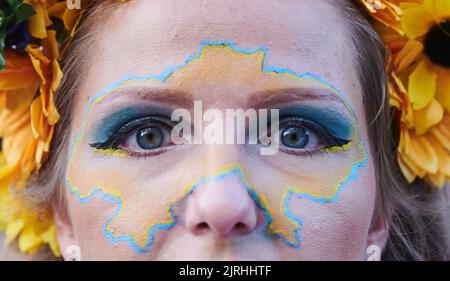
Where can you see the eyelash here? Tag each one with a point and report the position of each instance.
(331, 141)
(116, 140)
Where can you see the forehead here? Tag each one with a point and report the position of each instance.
(143, 37)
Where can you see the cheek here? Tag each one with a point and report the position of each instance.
(338, 230)
(130, 200)
(88, 221)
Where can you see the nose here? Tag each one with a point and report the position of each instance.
(223, 207)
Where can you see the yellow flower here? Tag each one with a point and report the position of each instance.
(420, 51)
(421, 155)
(418, 37)
(428, 23)
(19, 221)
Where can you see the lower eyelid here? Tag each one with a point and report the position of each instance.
(300, 152)
(153, 152)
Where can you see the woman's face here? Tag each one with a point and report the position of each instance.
(136, 192)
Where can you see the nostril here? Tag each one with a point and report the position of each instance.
(202, 226)
(239, 226)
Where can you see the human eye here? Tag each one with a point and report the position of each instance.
(144, 136)
(301, 136)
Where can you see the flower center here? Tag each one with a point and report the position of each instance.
(437, 44)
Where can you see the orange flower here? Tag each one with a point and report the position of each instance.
(18, 86)
(27, 128)
(23, 115)
(43, 110)
(385, 11)
(27, 116)
(41, 20)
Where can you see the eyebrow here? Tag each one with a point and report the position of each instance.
(270, 98)
(262, 99)
(175, 98)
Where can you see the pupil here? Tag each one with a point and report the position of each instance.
(149, 138)
(295, 137)
(437, 44)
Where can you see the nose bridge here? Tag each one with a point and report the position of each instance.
(222, 205)
(216, 157)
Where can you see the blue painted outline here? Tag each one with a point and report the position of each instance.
(162, 77)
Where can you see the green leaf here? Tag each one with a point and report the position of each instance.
(20, 10)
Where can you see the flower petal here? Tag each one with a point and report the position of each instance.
(439, 8)
(437, 180)
(386, 12)
(14, 146)
(422, 85)
(420, 152)
(13, 229)
(57, 10)
(442, 132)
(443, 88)
(37, 125)
(18, 73)
(406, 171)
(29, 241)
(428, 116)
(443, 156)
(408, 55)
(12, 121)
(40, 21)
(416, 20)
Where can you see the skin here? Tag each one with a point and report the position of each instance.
(221, 220)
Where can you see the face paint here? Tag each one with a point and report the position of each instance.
(336, 123)
(115, 121)
(144, 198)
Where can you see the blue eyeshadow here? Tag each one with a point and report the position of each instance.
(112, 123)
(336, 123)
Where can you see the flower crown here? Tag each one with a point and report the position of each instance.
(33, 32)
